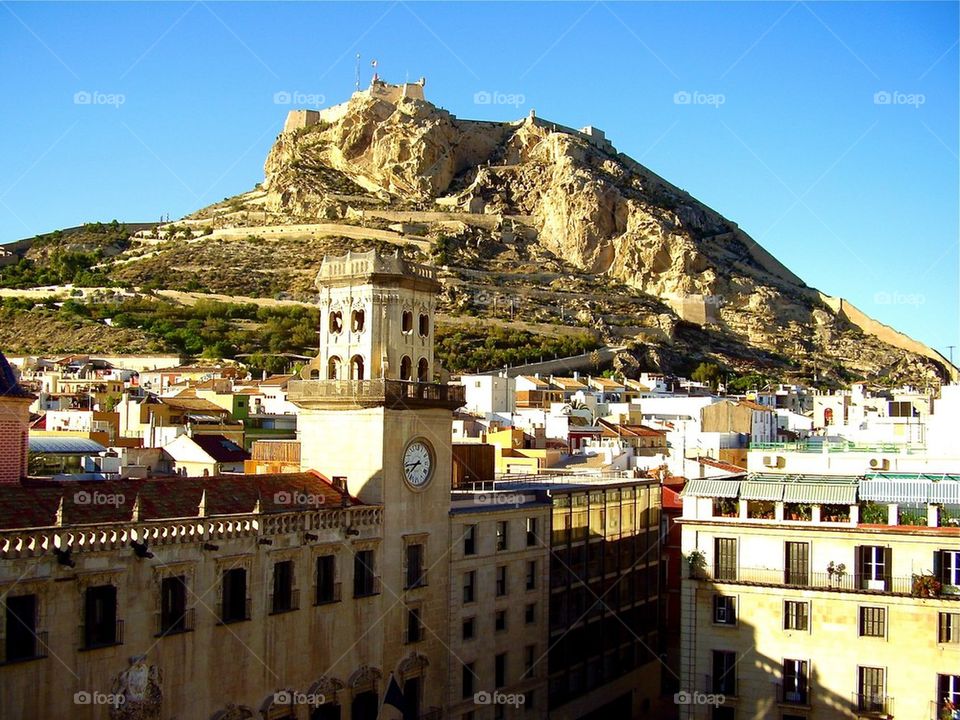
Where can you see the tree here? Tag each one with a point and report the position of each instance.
(708, 374)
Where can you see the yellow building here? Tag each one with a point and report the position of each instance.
(821, 597)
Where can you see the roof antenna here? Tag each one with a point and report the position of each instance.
(356, 72)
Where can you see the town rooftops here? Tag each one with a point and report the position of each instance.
(193, 404)
(65, 446)
(36, 504)
(568, 384)
(220, 448)
(540, 383)
(754, 405)
(602, 383)
(277, 381)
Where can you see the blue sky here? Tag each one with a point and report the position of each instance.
(828, 131)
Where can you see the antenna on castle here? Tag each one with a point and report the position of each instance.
(356, 80)
(373, 64)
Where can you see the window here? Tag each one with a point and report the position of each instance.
(531, 531)
(873, 621)
(724, 678)
(414, 626)
(724, 610)
(328, 589)
(948, 691)
(946, 564)
(101, 627)
(356, 367)
(949, 628)
(357, 318)
(530, 613)
(20, 636)
(531, 574)
(500, 670)
(874, 564)
(173, 605)
(468, 628)
(415, 572)
(501, 580)
(796, 615)
(796, 563)
(871, 689)
(406, 322)
(500, 620)
(466, 680)
(283, 599)
(424, 325)
(364, 580)
(423, 371)
(336, 323)
(502, 538)
(406, 368)
(795, 682)
(234, 606)
(470, 540)
(470, 586)
(529, 660)
(725, 558)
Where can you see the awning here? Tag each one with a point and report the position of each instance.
(820, 493)
(770, 491)
(896, 491)
(702, 487)
(945, 491)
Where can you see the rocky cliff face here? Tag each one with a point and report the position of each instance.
(570, 196)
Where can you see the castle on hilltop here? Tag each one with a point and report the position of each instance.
(379, 90)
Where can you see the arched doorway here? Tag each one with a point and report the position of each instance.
(356, 367)
(406, 368)
(423, 370)
(333, 368)
(364, 706)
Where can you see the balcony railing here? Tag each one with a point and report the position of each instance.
(793, 694)
(175, 624)
(848, 582)
(366, 587)
(98, 636)
(725, 685)
(28, 651)
(234, 614)
(392, 393)
(873, 704)
(326, 595)
(284, 602)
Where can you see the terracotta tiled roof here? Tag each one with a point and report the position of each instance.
(539, 382)
(277, 380)
(220, 448)
(193, 404)
(721, 465)
(568, 383)
(34, 504)
(754, 405)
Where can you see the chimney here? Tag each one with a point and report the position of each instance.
(14, 425)
(339, 482)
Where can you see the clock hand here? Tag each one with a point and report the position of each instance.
(413, 465)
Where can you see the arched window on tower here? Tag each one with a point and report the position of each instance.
(406, 321)
(424, 325)
(406, 368)
(423, 370)
(357, 320)
(356, 367)
(336, 322)
(333, 368)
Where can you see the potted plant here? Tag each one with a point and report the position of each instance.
(697, 564)
(926, 585)
(800, 511)
(836, 572)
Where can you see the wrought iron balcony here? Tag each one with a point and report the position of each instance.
(795, 693)
(396, 394)
(873, 704)
(175, 623)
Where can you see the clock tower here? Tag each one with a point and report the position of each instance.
(370, 412)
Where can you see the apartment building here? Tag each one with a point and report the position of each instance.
(814, 597)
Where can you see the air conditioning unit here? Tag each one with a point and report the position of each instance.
(772, 461)
(879, 464)
(721, 614)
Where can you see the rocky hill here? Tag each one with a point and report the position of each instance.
(529, 220)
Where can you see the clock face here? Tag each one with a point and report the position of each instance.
(417, 463)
